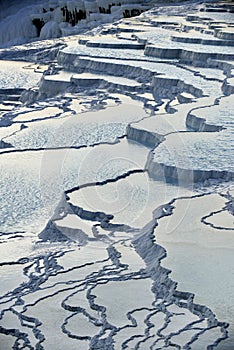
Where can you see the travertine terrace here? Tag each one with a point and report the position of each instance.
(116, 170)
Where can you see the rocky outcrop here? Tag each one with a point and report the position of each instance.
(170, 87)
(145, 137)
(182, 176)
(185, 56)
(199, 124)
(228, 86)
(58, 18)
(76, 63)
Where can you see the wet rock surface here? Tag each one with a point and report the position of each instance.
(116, 194)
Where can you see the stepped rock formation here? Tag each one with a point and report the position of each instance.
(116, 168)
(47, 19)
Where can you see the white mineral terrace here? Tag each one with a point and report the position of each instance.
(116, 175)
